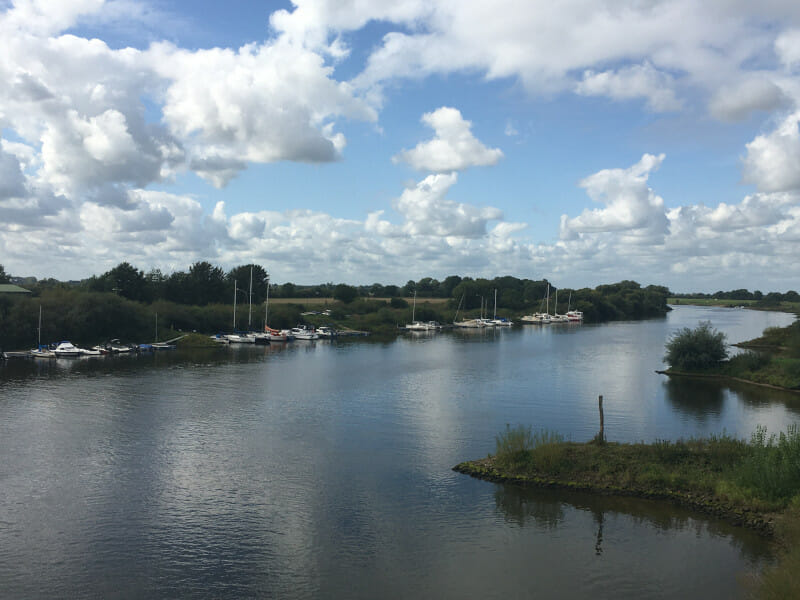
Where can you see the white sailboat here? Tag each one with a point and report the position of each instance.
(540, 318)
(40, 351)
(557, 318)
(420, 325)
(467, 323)
(575, 316)
(499, 322)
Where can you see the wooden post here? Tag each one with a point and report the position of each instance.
(601, 436)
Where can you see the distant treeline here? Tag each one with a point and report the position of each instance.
(770, 298)
(128, 304)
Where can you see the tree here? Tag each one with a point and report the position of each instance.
(127, 281)
(345, 293)
(241, 275)
(207, 284)
(4, 278)
(696, 349)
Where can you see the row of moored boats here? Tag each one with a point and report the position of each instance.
(67, 349)
(269, 335)
(538, 318)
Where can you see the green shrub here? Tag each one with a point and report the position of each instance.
(398, 303)
(749, 361)
(696, 349)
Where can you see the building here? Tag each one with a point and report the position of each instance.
(10, 288)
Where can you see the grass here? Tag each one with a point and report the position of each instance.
(772, 359)
(196, 340)
(710, 301)
(755, 482)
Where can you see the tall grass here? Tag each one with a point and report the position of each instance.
(514, 446)
(771, 469)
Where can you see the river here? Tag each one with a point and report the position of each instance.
(323, 470)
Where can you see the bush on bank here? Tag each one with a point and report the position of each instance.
(697, 349)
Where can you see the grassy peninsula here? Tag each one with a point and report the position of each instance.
(753, 483)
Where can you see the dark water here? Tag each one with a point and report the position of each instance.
(323, 470)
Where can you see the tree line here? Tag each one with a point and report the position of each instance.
(770, 298)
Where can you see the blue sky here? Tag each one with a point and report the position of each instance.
(585, 142)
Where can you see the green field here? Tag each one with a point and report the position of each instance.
(709, 302)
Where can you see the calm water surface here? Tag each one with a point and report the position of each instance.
(324, 470)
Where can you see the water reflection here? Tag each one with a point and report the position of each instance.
(548, 509)
(695, 397)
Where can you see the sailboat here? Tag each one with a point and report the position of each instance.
(467, 323)
(419, 325)
(574, 316)
(499, 322)
(557, 318)
(237, 338)
(540, 318)
(42, 351)
(273, 335)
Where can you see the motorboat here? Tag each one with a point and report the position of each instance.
(220, 339)
(116, 347)
(302, 333)
(423, 326)
(66, 350)
(90, 352)
(327, 332)
(502, 322)
(575, 315)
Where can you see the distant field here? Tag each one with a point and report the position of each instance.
(709, 302)
(326, 301)
(783, 306)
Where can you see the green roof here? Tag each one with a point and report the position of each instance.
(10, 288)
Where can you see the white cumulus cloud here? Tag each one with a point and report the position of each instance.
(454, 148)
(772, 162)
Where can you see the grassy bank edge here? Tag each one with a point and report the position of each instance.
(707, 504)
(723, 377)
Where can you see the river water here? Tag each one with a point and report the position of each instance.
(323, 470)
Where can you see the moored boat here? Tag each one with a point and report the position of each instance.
(66, 350)
(42, 352)
(301, 332)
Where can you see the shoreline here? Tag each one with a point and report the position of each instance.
(722, 377)
(707, 504)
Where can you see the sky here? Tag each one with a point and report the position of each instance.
(365, 141)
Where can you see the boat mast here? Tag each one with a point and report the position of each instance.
(266, 307)
(40, 326)
(460, 302)
(495, 304)
(414, 306)
(234, 305)
(250, 309)
(547, 310)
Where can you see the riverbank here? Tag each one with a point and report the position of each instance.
(687, 473)
(754, 485)
(724, 377)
